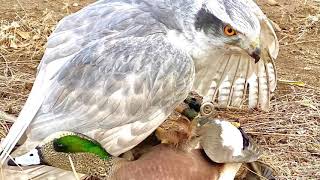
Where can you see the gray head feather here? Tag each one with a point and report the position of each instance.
(236, 13)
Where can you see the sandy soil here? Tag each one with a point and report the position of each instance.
(299, 58)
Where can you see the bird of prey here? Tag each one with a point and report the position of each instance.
(117, 68)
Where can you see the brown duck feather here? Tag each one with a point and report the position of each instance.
(164, 162)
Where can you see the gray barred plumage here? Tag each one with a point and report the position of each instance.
(117, 68)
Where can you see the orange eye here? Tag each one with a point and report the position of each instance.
(229, 31)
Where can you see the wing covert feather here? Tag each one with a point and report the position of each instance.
(106, 70)
(101, 88)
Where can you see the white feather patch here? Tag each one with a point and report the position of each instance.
(253, 91)
(30, 158)
(263, 88)
(229, 171)
(231, 137)
(210, 95)
(224, 92)
(123, 138)
(238, 91)
(272, 77)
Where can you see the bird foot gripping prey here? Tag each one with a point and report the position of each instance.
(181, 125)
(179, 129)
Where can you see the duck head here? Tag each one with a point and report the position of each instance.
(224, 142)
(60, 144)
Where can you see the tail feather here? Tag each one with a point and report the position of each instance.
(272, 76)
(222, 62)
(253, 91)
(15, 133)
(228, 79)
(264, 88)
(240, 83)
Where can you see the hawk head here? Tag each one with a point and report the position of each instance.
(229, 24)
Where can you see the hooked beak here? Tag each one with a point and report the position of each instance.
(256, 54)
(255, 50)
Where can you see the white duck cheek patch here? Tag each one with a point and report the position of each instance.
(231, 138)
(30, 158)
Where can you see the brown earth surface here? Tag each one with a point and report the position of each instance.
(293, 140)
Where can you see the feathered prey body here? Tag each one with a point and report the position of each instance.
(160, 162)
(116, 69)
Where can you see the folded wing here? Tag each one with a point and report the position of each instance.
(108, 74)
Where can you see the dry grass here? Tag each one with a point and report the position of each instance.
(289, 133)
(21, 47)
(299, 40)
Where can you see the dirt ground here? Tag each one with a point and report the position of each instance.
(299, 60)
(299, 57)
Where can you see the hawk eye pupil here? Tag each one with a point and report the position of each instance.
(229, 31)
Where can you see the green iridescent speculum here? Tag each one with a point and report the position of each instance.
(76, 144)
